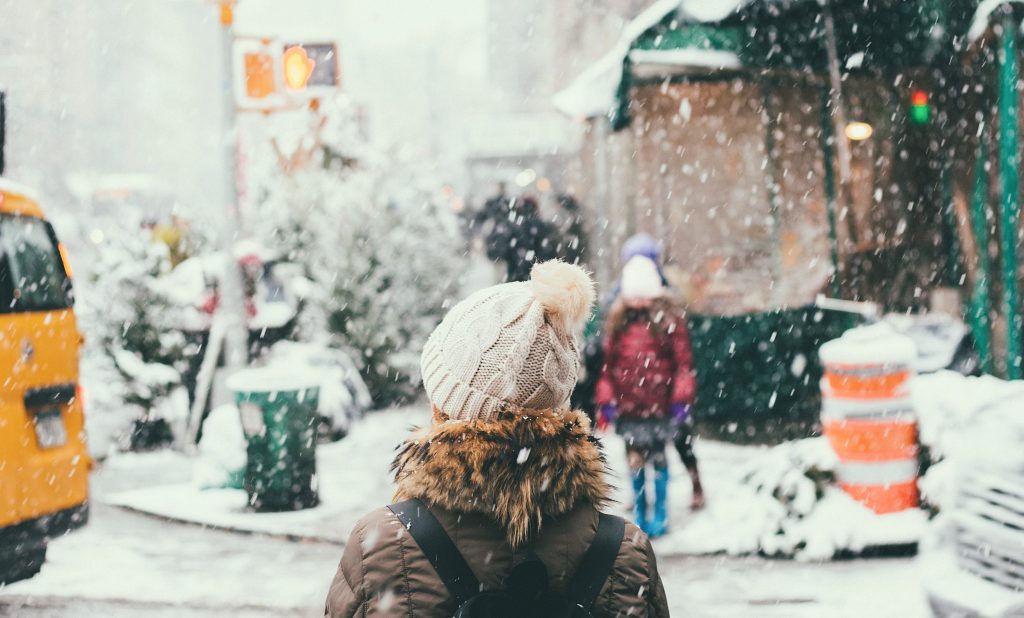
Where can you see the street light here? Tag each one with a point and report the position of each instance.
(858, 131)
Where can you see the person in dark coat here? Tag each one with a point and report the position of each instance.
(528, 239)
(572, 234)
(505, 466)
(491, 223)
(647, 384)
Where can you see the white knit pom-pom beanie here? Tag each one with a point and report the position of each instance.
(641, 279)
(510, 346)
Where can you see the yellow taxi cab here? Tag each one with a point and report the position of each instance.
(44, 464)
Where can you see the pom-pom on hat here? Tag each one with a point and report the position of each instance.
(510, 346)
(641, 279)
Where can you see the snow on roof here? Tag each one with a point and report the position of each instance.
(702, 58)
(982, 15)
(593, 92)
(9, 186)
(711, 10)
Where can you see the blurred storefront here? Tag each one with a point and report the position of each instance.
(782, 149)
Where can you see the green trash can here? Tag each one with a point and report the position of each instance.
(278, 411)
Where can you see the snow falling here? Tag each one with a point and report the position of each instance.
(267, 268)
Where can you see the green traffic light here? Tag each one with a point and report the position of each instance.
(919, 114)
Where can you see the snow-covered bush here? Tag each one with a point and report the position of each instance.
(382, 255)
(785, 504)
(134, 355)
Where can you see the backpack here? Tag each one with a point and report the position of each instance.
(526, 588)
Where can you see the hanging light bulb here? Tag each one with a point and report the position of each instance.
(859, 131)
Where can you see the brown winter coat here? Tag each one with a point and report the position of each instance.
(499, 488)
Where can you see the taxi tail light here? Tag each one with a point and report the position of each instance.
(63, 250)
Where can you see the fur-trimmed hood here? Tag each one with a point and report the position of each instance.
(516, 469)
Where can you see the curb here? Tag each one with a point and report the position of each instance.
(293, 538)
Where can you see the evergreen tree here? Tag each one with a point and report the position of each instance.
(382, 255)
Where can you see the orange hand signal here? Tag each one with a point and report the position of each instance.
(298, 66)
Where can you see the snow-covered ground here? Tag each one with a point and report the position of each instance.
(744, 515)
(127, 564)
(352, 478)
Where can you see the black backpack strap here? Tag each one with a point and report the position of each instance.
(597, 563)
(449, 564)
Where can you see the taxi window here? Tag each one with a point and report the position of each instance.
(32, 276)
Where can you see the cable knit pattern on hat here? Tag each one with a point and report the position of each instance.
(510, 346)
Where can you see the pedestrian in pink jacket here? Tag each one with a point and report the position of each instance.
(647, 385)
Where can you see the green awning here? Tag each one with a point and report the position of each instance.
(670, 37)
(717, 37)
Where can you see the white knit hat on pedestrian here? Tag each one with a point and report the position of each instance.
(641, 279)
(510, 346)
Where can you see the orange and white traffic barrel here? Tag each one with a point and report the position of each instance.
(868, 416)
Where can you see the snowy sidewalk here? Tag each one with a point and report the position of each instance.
(354, 479)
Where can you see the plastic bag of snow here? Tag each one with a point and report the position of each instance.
(222, 450)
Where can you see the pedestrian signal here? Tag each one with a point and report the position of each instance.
(298, 66)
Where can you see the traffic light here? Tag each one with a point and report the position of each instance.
(920, 108)
(298, 67)
(321, 62)
(259, 74)
(270, 75)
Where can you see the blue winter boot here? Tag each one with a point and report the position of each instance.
(659, 522)
(640, 499)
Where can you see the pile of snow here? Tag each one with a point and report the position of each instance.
(222, 449)
(967, 421)
(344, 396)
(936, 337)
(783, 503)
(876, 344)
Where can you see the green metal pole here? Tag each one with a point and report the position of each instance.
(773, 196)
(954, 278)
(830, 193)
(1009, 160)
(979, 316)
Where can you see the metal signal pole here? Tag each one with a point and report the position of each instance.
(228, 331)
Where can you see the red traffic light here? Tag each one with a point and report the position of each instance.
(919, 97)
